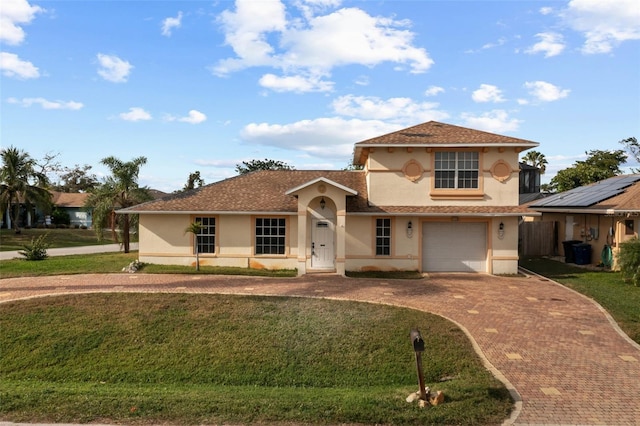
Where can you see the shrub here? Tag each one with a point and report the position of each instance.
(37, 250)
(629, 261)
(60, 217)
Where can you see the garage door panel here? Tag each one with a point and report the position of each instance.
(454, 247)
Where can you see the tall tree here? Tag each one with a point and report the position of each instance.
(633, 147)
(76, 179)
(536, 159)
(598, 166)
(266, 164)
(21, 183)
(118, 191)
(194, 179)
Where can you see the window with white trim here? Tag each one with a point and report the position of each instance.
(206, 237)
(456, 170)
(270, 235)
(383, 237)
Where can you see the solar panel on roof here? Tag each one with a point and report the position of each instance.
(586, 196)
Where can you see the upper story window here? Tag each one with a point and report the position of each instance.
(456, 170)
(383, 237)
(270, 235)
(207, 235)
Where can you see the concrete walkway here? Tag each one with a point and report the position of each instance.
(560, 354)
(103, 248)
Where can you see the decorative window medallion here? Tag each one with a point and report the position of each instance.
(322, 188)
(412, 170)
(500, 170)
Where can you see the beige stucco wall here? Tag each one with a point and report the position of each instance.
(503, 250)
(361, 245)
(163, 241)
(388, 185)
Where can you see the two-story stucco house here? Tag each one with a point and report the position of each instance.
(432, 197)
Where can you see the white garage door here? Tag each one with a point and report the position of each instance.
(454, 247)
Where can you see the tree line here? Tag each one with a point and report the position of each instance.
(599, 165)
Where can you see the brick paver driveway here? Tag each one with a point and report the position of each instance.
(559, 352)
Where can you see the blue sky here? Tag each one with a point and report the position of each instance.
(204, 85)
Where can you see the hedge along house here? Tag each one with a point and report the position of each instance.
(602, 215)
(433, 197)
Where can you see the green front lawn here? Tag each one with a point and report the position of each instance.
(620, 299)
(10, 241)
(212, 359)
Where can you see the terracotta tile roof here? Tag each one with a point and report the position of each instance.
(67, 199)
(264, 191)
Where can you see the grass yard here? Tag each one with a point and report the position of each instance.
(212, 359)
(620, 299)
(10, 241)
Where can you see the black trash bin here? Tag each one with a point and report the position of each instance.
(569, 253)
(582, 253)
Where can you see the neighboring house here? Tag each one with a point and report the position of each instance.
(433, 197)
(73, 204)
(603, 215)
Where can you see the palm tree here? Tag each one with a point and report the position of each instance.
(195, 228)
(20, 182)
(536, 159)
(118, 191)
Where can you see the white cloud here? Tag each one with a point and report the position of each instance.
(433, 91)
(551, 44)
(246, 32)
(46, 104)
(501, 41)
(13, 15)
(135, 114)
(296, 83)
(546, 10)
(113, 68)
(351, 36)
(545, 92)
(313, 45)
(604, 24)
(12, 66)
(487, 93)
(170, 23)
(322, 137)
(397, 110)
(496, 121)
(194, 117)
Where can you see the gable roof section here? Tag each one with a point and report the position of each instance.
(260, 191)
(435, 134)
(292, 191)
(618, 194)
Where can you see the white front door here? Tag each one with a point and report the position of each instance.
(322, 250)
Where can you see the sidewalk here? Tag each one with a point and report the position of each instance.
(104, 248)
